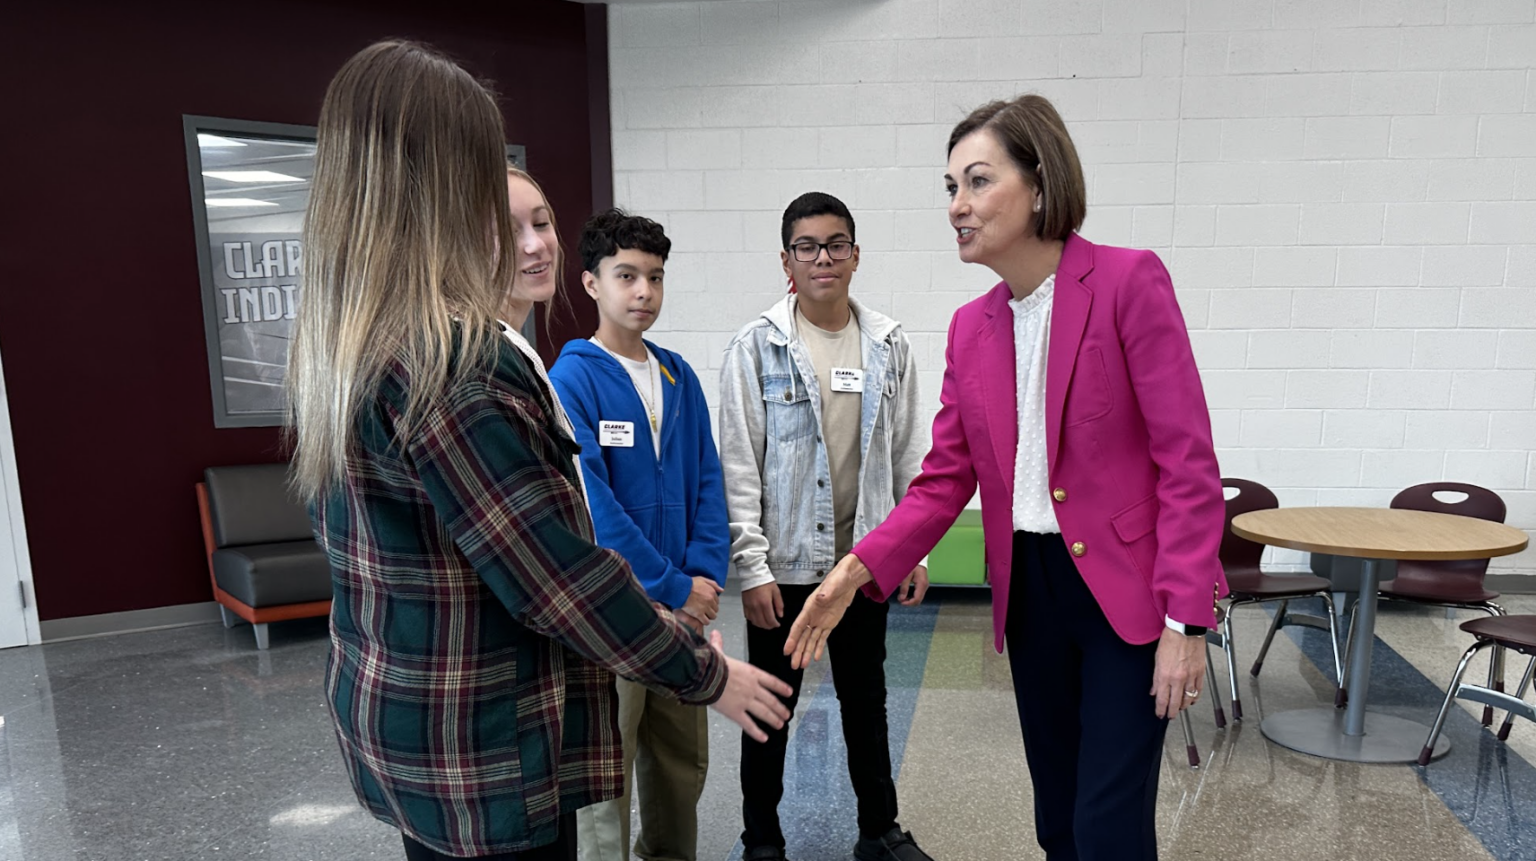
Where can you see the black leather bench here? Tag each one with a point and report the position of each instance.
(262, 557)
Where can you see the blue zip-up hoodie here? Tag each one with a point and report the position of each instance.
(667, 519)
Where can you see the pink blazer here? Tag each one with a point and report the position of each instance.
(1132, 469)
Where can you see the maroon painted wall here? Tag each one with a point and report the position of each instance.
(101, 317)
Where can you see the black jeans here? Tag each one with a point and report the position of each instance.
(1092, 739)
(563, 849)
(857, 652)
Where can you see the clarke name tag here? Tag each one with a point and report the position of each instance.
(847, 379)
(616, 434)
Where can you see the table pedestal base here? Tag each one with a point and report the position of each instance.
(1320, 732)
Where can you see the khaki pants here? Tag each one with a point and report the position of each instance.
(666, 756)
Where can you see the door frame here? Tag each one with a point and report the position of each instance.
(10, 485)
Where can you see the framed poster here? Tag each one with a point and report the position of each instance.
(250, 187)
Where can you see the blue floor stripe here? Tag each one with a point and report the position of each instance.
(819, 811)
(1485, 784)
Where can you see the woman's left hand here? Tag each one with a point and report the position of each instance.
(911, 591)
(1179, 677)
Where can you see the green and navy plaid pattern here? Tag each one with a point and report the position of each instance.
(471, 614)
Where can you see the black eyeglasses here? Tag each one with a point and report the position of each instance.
(805, 252)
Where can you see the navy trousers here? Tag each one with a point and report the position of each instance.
(1092, 740)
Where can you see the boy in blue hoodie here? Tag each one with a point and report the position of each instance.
(657, 496)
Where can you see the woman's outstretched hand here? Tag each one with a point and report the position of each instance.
(823, 610)
(750, 693)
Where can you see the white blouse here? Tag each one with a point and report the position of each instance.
(561, 418)
(1032, 509)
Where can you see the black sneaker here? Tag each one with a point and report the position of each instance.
(763, 853)
(895, 845)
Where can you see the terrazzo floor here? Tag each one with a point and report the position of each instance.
(188, 743)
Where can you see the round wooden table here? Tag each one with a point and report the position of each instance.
(1371, 535)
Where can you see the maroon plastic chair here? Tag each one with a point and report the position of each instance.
(1456, 584)
(1250, 585)
(1498, 633)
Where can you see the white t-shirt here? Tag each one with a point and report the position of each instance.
(646, 377)
(1032, 509)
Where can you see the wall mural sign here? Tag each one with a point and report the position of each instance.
(250, 186)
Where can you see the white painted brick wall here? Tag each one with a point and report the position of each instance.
(1345, 193)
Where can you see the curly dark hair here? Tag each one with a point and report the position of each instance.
(607, 232)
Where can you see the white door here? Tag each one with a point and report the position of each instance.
(18, 611)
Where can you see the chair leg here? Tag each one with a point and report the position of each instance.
(1189, 740)
(1215, 689)
(1333, 641)
(1274, 626)
(1495, 680)
(262, 640)
(1525, 685)
(229, 618)
(1231, 653)
(1450, 697)
(1349, 643)
(1495, 665)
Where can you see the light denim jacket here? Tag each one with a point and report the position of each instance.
(778, 485)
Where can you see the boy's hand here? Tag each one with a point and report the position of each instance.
(763, 606)
(704, 601)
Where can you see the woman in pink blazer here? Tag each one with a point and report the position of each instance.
(1071, 399)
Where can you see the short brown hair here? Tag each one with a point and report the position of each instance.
(1032, 132)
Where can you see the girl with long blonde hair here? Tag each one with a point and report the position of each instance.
(474, 623)
(540, 268)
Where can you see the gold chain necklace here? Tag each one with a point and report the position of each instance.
(649, 402)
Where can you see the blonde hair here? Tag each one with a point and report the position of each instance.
(408, 248)
(559, 299)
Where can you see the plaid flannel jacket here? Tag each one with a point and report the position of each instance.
(471, 613)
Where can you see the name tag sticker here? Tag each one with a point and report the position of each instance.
(847, 379)
(616, 434)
